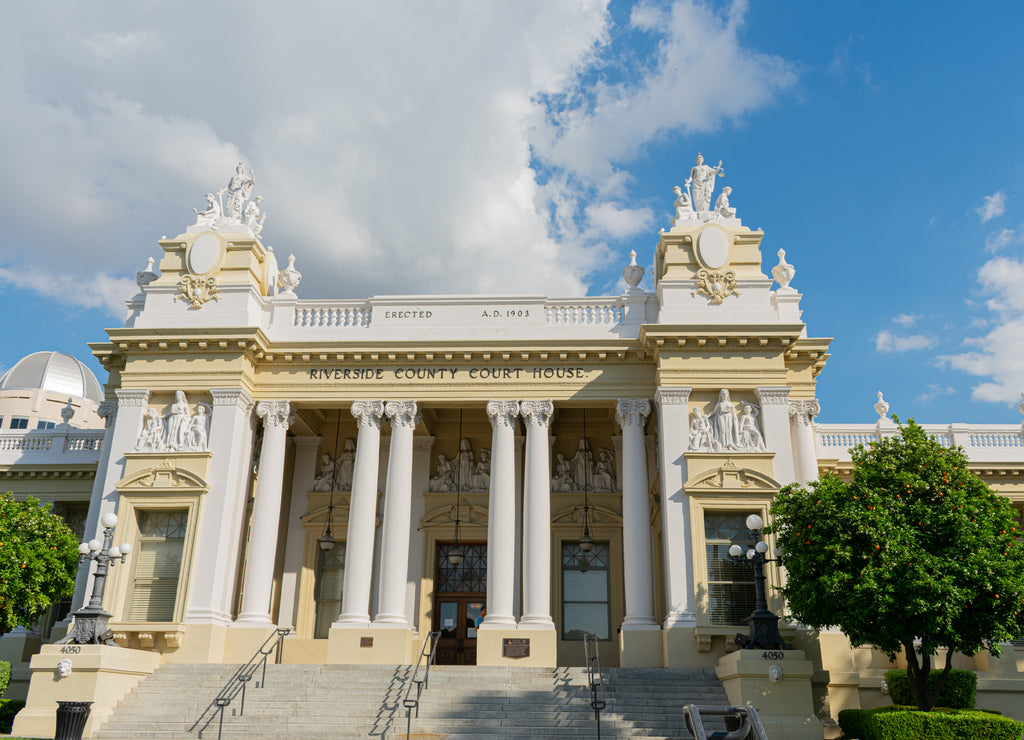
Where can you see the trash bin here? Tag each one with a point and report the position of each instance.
(71, 718)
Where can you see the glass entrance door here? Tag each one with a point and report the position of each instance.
(459, 600)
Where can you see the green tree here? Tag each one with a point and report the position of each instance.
(913, 549)
(38, 560)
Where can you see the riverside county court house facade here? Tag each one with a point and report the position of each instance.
(244, 423)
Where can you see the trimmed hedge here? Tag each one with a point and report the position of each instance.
(959, 690)
(907, 723)
(5, 676)
(9, 708)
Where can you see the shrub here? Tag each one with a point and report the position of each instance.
(907, 723)
(5, 676)
(959, 690)
(9, 708)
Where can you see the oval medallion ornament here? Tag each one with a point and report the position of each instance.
(713, 247)
(204, 254)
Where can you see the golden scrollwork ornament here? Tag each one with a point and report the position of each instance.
(197, 290)
(716, 285)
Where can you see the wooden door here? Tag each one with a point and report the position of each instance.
(459, 599)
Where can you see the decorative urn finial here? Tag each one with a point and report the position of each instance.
(783, 272)
(67, 412)
(881, 407)
(288, 279)
(633, 273)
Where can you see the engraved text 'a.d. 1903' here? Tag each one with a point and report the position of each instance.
(447, 373)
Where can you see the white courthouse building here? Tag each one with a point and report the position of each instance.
(246, 427)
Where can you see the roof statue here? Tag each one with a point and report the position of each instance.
(230, 207)
(695, 203)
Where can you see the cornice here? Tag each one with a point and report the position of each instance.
(716, 337)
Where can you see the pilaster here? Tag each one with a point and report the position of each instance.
(774, 400)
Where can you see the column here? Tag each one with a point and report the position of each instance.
(262, 550)
(501, 545)
(636, 516)
(801, 416)
(362, 517)
(774, 400)
(220, 526)
(394, 560)
(303, 475)
(537, 517)
(676, 536)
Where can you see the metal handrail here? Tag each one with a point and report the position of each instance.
(742, 723)
(592, 654)
(238, 681)
(421, 684)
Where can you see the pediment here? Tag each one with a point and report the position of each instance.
(318, 516)
(730, 477)
(166, 476)
(443, 516)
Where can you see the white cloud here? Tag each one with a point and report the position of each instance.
(998, 356)
(934, 390)
(842, 63)
(1002, 239)
(458, 145)
(994, 206)
(886, 341)
(906, 319)
(83, 291)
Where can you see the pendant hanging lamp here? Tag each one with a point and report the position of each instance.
(455, 555)
(327, 539)
(586, 542)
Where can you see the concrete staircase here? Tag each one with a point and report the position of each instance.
(337, 701)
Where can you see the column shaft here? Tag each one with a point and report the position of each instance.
(501, 546)
(362, 516)
(397, 516)
(801, 415)
(304, 474)
(537, 517)
(266, 514)
(636, 516)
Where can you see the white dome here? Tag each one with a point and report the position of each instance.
(53, 371)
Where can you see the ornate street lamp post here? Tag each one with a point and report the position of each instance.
(764, 625)
(90, 625)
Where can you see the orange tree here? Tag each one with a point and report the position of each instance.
(38, 560)
(913, 554)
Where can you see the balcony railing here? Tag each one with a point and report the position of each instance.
(981, 442)
(51, 446)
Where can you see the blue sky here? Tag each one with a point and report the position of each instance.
(526, 148)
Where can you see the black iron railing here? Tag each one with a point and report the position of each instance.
(741, 723)
(428, 651)
(235, 686)
(594, 681)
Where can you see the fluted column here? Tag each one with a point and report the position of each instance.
(266, 512)
(636, 516)
(501, 516)
(537, 517)
(801, 417)
(394, 559)
(362, 515)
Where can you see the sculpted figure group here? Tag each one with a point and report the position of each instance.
(228, 205)
(726, 429)
(337, 474)
(695, 202)
(583, 472)
(177, 431)
(463, 472)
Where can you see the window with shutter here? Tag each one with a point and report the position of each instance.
(730, 585)
(585, 591)
(330, 576)
(157, 565)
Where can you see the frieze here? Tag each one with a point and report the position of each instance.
(441, 374)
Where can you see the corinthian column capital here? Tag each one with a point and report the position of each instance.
(502, 413)
(276, 413)
(632, 412)
(368, 413)
(803, 412)
(403, 413)
(537, 413)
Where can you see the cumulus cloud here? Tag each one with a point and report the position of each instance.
(994, 206)
(998, 356)
(886, 341)
(906, 319)
(400, 148)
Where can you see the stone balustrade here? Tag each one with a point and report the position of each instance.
(333, 313)
(51, 446)
(981, 442)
